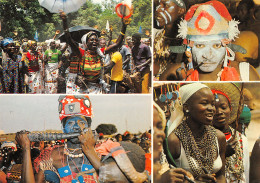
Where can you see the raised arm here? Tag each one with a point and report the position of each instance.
(120, 38)
(27, 169)
(74, 45)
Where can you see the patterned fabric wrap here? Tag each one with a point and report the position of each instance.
(199, 153)
(234, 164)
(52, 73)
(92, 66)
(11, 75)
(71, 87)
(74, 65)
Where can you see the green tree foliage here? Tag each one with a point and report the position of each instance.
(27, 16)
(106, 129)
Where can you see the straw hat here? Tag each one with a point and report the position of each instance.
(233, 93)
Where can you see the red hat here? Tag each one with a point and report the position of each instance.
(74, 105)
(208, 21)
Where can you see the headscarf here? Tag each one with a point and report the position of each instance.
(85, 38)
(186, 91)
(245, 116)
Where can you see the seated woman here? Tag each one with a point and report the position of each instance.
(86, 65)
(227, 96)
(194, 144)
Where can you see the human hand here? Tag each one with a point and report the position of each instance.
(207, 178)
(87, 139)
(176, 175)
(63, 15)
(126, 21)
(23, 140)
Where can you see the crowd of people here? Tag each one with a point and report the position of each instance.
(86, 157)
(198, 134)
(96, 64)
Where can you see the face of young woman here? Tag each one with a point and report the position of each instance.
(210, 53)
(158, 135)
(201, 106)
(223, 111)
(92, 43)
(166, 12)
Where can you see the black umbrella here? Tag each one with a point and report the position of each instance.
(77, 32)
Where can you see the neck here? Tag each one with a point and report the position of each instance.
(196, 127)
(72, 146)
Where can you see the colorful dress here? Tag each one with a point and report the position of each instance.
(237, 165)
(44, 162)
(34, 75)
(52, 70)
(13, 75)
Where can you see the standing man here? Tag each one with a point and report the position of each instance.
(141, 59)
(116, 68)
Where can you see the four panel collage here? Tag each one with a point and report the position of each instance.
(143, 91)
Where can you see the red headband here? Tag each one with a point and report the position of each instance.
(222, 93)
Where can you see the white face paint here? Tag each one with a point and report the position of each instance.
(210, 53)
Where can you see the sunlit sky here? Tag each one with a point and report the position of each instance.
(40, 112)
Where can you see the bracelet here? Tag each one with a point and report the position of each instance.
(122, 33)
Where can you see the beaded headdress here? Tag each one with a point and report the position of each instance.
(208, 21)
(71, 105)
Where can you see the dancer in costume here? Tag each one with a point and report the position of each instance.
(13, 69)
(207, 31)
(87, 66)
(78, 161)
(33, 79)
(51, 67)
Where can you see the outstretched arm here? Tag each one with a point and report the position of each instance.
(74, 46)
(120, 38)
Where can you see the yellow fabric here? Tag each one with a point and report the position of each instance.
(145, 80)
(117, 70)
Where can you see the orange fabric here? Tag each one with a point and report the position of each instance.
(230, 74)
(2, 177)
(105, 147)
(194, 76)
(148, 163)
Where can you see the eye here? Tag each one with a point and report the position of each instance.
(159, 126)
(217, 46)
(200, 45)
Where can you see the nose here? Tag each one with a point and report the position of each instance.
(208, 54)
(76, 126)
(212, 108)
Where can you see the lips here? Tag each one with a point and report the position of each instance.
(210, 116)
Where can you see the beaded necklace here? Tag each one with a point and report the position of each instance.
(70, 154)
(234, 163)
(201, 151)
